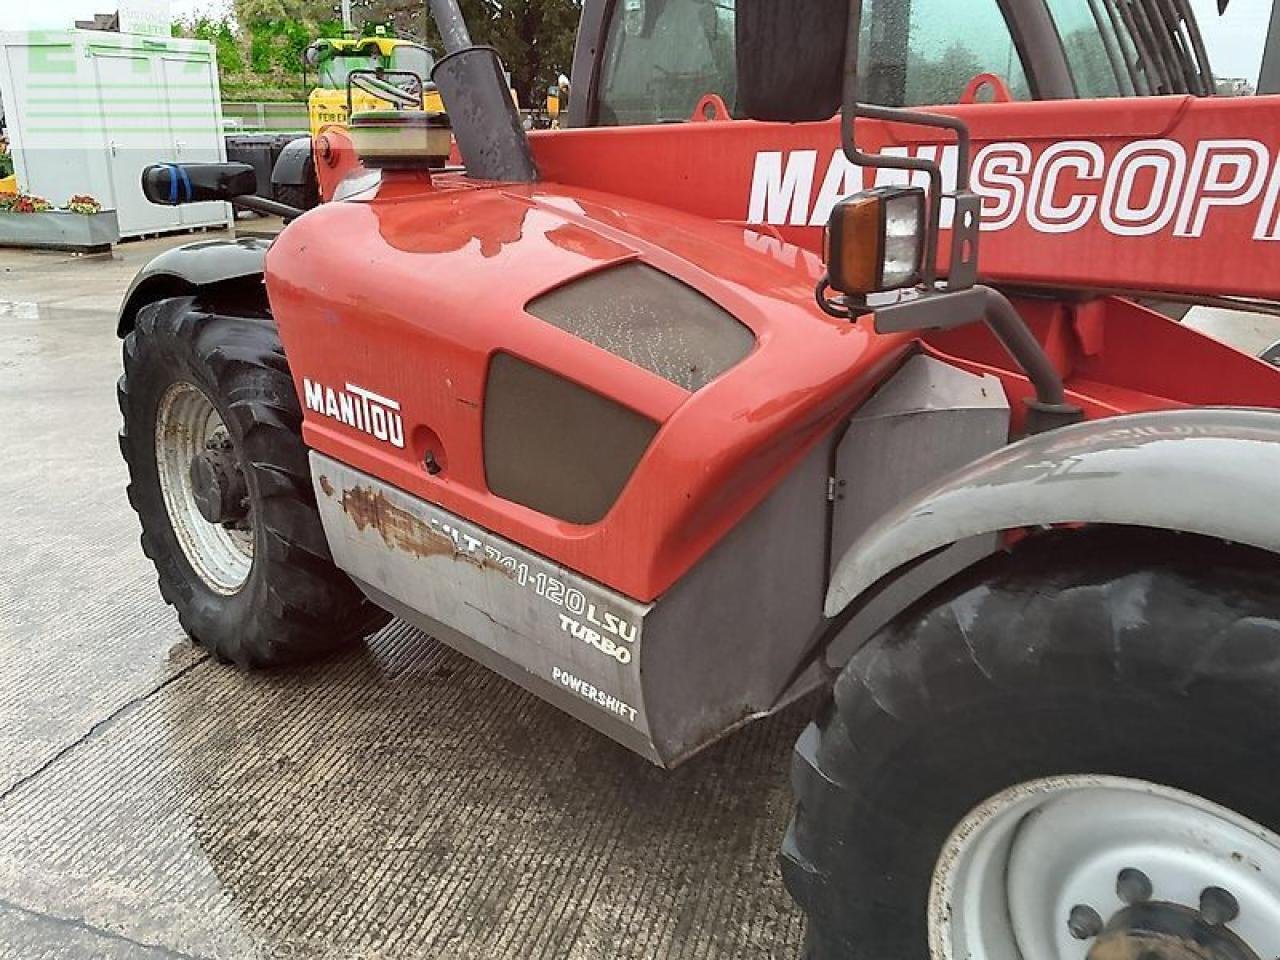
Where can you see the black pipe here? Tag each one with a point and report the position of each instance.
(267, 207)
(490, 134)
(1050, 408)
(451, 24)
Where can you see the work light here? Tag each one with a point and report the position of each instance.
(875, 240)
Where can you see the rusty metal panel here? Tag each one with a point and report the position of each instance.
(715, 651)
(563, 637)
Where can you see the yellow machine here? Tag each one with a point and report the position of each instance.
(8, 181)
(336, 59)
(353, 74)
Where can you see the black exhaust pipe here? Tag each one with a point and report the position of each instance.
(486, 123)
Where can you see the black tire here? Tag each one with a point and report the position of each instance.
(304, 196)
(1128, 653)
(295, 605)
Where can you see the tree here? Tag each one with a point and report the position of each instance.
(534, 37)
(304, 11)
(264, 44)
(218, 31)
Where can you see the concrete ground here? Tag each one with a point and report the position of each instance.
(397, 802)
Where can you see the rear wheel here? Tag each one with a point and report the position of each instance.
(220, 481)
(303, 196)
(1070, 752)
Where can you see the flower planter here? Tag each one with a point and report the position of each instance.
(60, 230)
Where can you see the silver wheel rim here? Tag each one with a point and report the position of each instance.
(1011, 874)
(187, 423)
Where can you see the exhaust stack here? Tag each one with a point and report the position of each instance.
(486, 124)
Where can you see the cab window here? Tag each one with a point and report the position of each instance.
(412, 58)
(337, 67)
(917, 53)
(662, 56)
(1099, 49)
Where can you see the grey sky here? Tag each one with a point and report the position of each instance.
(1234, 40)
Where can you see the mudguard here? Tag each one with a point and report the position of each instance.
(293, 165)
(187, 268)
(1208, 471)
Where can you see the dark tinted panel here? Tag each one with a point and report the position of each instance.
(649, 319)
(554, 446)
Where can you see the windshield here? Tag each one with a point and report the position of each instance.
(337, 67)
(662, 56)
(413, 59)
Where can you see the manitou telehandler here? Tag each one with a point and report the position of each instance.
(675, 423)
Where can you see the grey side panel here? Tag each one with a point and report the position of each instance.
(663, 679)
(557, 634)
(581, 704)
(189, 266)
(724, 643)
(927, 420)
(1209, 471)
(294, 165)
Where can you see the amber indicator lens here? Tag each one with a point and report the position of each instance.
(875, 239)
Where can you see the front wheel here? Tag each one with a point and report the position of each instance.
(218, 475)
(1068, 753)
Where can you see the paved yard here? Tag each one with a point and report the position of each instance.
(398, 802)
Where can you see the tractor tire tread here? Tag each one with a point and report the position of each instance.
(301, 605)
(1080, 591)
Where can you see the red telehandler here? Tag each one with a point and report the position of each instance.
(675, 423)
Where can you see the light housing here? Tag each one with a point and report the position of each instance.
(400, 138)
(875, 240)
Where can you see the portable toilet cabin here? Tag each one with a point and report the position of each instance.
(87, 110)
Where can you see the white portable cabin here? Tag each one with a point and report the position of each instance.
(87, 110)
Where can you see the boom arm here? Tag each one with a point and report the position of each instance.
(1172, 194)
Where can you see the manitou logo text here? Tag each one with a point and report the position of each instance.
(359, 408)
(1146, 187)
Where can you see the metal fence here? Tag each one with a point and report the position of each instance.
(261, 117)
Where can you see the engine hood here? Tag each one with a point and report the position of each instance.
(413, 293)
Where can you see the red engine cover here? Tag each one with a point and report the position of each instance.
(408, 296)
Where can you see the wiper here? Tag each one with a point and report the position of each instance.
(1109, 44)
(1169, 81)
(1128, 48)
(1192, 26)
